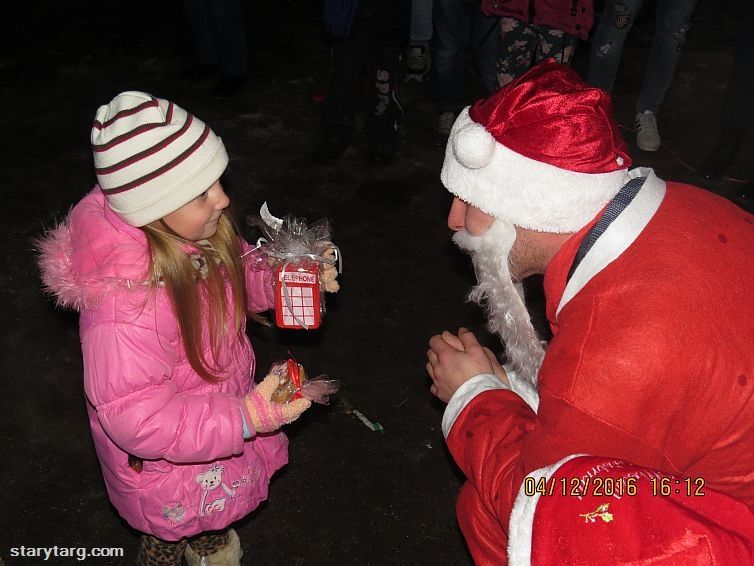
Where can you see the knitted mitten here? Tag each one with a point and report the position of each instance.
(266, 415)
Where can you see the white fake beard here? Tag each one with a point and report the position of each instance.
(502, 299)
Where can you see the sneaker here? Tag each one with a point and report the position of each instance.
(445, 123)
(418, 63)
(647, 136)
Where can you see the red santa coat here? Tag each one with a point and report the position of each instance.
(586, 510)
(651, 362)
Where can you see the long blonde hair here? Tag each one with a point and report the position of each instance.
(199, 295)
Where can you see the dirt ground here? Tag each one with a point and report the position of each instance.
(349, 495)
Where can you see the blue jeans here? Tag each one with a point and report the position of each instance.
(460, 24)
(671, 24)
(421, 22)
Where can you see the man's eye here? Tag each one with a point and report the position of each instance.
(203, 195)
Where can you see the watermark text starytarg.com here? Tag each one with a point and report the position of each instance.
(77, 552)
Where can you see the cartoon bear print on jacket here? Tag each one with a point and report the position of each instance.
(211, 481)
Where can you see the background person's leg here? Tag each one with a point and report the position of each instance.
(516, 47)
(484, 42)
(419, 59)
(452, 23)
(615, 23)
(384, 110)
(348, 58)
(230, 36)
(672, 23)
(555, 43)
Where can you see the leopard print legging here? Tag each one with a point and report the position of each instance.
(157, 552)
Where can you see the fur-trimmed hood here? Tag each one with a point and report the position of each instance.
(91, 254)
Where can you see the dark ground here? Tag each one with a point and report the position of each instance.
(350, 495)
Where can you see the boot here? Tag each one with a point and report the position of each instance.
(228, 555)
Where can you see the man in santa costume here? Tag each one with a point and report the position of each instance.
(650, 370)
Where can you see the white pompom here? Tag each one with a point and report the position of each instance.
(473, 146)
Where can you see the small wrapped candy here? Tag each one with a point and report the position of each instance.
(294, 384)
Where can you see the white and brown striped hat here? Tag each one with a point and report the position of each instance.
(152, 157)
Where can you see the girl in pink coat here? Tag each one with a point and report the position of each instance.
(163, 282)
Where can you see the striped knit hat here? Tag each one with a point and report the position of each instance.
(152, 157)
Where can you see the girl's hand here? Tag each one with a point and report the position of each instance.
(267, 416)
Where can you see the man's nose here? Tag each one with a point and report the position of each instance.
(457, 215)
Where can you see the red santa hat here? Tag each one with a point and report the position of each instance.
(543, 153)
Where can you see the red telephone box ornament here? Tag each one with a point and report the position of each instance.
(297, 295)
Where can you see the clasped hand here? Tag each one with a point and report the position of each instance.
(454, 359)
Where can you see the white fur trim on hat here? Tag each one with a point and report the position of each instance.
(152, 157)
(530, 194)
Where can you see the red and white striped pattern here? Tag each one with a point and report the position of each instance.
(152, 157)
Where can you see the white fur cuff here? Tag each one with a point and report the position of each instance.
(464, 394)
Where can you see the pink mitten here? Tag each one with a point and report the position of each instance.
(267, 416)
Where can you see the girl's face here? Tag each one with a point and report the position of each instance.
(197, 219)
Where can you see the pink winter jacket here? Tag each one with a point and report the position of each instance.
(144, 399)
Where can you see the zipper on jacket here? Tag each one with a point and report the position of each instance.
(574, 8)
(531, 12)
